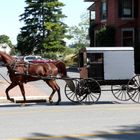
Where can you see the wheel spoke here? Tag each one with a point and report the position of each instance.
(91, 91)
(70, 91)
(120, 92)
(136, 96)
(133, 88)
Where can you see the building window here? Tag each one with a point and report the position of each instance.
(126, 8)
(104, 9)
(127, 37)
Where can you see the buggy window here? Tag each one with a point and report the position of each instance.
(95, 69)
(95, 57)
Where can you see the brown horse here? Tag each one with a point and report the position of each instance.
(21, 72)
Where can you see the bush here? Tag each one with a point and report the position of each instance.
(50, 55)
(106, 36)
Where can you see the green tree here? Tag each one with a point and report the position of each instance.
(6, 39)
(44, 29)
(24, 43)
(79, 34)
(106, 36)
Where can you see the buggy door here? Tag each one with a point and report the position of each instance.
(95, 65)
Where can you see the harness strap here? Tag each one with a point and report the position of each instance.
(16, 64)
(26, 65)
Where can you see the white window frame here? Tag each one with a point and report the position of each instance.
(131, 17)
(103, 1)
(127, 29)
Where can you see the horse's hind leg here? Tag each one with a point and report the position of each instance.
(58, 91)
(55, 87)
(22, 91)
(12, 85)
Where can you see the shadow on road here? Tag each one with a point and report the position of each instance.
(63, 103)
(41, 136)
(124, 133)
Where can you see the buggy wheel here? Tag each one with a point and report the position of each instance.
(70, 90)
(120, 92)
(133, 88)
(88, 92)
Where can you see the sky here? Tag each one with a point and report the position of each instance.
(11, 9)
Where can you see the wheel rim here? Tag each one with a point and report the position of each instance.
(92, 92)
(70, 93)
(133, 89)
(120, 92)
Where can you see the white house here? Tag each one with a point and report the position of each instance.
(4, 47)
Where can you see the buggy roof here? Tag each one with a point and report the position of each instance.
(103, 49)
(88, 49)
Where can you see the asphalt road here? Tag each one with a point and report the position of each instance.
(70, 122)
(109, 119)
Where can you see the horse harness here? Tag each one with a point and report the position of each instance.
(14, 65)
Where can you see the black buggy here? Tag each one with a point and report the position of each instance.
(100, 66)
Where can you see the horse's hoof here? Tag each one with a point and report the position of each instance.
(51, 101)
(11, 99)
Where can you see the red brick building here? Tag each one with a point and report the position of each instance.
(123, 15)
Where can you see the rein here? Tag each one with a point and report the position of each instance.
(5, 78)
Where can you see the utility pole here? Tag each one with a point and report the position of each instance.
(43, 19)
(43, 22)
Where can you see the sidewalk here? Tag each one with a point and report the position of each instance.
(32, 93)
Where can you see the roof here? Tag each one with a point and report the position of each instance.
(102, 49)
(110, 48)
(4, 47)
(92, 7)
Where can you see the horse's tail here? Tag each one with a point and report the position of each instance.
(61, 68)
(63, 71)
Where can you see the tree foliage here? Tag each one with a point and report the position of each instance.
(44, 29)
(79, 34)
(6, 39)
(106, 36)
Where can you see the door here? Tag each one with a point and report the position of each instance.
(95, 66)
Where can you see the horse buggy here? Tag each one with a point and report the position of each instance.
(100, 66)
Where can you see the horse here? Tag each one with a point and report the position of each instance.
(21, 72)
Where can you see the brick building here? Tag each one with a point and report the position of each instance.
(123, 15)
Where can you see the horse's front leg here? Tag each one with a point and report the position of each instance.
(12, 85)
(23, 92)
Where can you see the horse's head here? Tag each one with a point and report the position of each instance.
(6, 58)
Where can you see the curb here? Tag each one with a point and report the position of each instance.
(30, 99)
